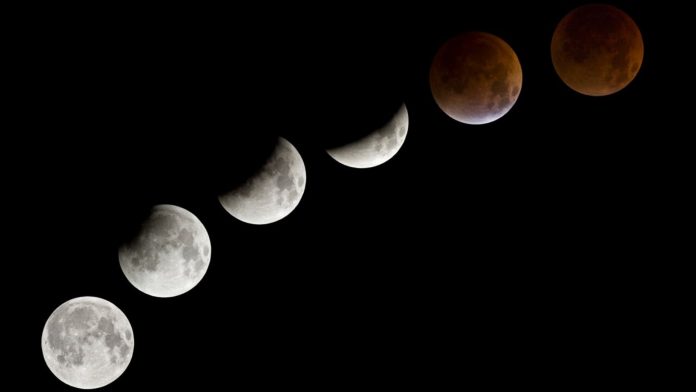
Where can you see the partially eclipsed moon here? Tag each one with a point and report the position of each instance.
(273, 192)
(475, 78)
(170, 255)
(87, 342)
(597, 49)
(377, 147)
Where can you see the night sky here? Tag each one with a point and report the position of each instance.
(478, 255)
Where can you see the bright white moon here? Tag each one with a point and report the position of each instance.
(170, 255)
(377, 147)
(87, 342)
(273, 192)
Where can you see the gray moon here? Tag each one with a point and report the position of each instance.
(377, 147)
(87, 342)
(170, 255)
(273, 192)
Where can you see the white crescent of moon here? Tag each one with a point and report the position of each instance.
(377, 147)
(273, 192)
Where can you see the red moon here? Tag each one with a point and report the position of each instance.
(475, 78)
(597, 49)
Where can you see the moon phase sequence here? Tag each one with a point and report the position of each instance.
(377, 147)
(475, 78)
(87, 342)
(273, 192)
(170, 255)
(597, 49)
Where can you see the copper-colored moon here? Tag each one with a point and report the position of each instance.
(597, 49)
(475, 78)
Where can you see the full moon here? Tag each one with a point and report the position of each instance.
(87, 342)
(273, 192)
(170, 255)
(597, 49)
(377, 147)
(475, 78)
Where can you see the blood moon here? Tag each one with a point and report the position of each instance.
(597, 49)
(475, 78)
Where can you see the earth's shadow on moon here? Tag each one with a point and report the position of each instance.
(231, 166)
(371, 114)
(354, 86)
(213, 168)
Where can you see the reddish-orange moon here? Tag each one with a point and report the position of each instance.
(475, 78)
(597, 49)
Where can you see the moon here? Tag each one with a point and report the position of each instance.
(273, 192)
(87, 342)
(597, 49)
(475, 78)
(170, 255)
(377, 147)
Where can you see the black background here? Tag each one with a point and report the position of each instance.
(491, 254)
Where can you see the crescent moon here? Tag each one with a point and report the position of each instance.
(377, 147)
(273, 192)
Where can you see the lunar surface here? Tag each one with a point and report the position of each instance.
(475, 78)
(597, 49)
(273, 192)
(377, 147)
(87, 342)
(170, 255)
